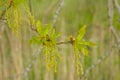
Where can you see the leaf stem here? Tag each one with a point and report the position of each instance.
(64, 42)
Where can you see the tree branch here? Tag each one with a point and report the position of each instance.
(30, 8)
(57, 12)
(28, 68)
(64, 42)
(110, 19)
(117, 6)
(103, 57)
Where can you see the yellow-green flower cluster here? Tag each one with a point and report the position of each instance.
(13, 16)
(80, 48)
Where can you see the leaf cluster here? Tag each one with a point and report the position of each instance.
(81, 44)
(43, 37)
(13, 14)
(80, 48)
(50, 51)
(48, 41)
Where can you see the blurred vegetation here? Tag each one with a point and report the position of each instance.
(16, 52)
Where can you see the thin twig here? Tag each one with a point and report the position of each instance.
(30, 8)
(57, 12)
(28, 68)
(110, 18)
(64, 42)
(103, 57)
(117, 6)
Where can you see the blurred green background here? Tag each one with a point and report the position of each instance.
(15, 53)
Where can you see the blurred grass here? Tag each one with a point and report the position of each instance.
(15, 52)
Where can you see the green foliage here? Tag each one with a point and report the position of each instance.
(39, 27)
(31, 17)
(80, 46)
(49, 51)
(17, 2)
(14, 3)
(80, 43)
(52, 57)
(13, 14)
(42, 31)
(48, 40)
(43, 38)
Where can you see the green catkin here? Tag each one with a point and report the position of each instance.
(51, 57)
(8, 19)
(13, 19)
(8, 16)
(31, 17)
(15, 27)
(77, 60)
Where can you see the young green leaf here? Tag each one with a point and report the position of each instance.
(39, 27)
(87, 43)
(80, 47)
(35, 40)
(54, 35)
(81, 33)
(84, 51)
(47, 29)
